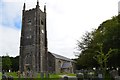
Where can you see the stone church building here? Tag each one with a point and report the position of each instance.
(59, 64)
(34, 55)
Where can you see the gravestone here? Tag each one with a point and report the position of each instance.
(42, 75)
(46, 75)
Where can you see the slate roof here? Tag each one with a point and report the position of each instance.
(61, 57)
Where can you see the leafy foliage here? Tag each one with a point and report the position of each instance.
(10, 63)
(102, 58)
(6, 63)
(107, 34)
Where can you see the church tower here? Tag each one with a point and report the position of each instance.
(119, 7)
(119, 11)
(33, 43)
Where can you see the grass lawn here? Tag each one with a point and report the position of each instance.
(54, 76)
(71, 74)
(14, 75)
(51, 76)
(0, 75)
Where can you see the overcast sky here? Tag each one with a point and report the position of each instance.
(67, 21)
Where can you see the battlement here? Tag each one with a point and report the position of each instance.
(30, 9)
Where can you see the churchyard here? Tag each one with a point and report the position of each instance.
(99, 48)
(51, 76)
(82, 74)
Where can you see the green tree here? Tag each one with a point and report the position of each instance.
(87, 51)
(6, 63)
(108, 34)
(110, 30)
(15, 63)
(102, 58)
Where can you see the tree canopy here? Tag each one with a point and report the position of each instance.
(108, 34)
(10, 63)
(6, 63)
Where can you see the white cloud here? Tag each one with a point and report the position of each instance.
(9, 41)
(67, 21)
(9, 34)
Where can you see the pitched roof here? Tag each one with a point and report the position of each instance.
(61, 57)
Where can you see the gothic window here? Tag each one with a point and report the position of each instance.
(29, 22)
(42, 31)
(41, 22)
(27, 57)
(29, 37)
(42, 28)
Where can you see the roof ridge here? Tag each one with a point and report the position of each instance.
(61, 57)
